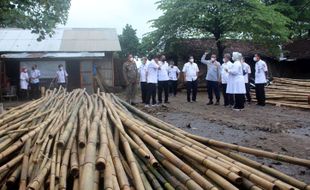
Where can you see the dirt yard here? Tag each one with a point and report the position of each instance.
(277, 129)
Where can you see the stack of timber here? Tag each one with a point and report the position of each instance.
(289, 92)
(80, 141)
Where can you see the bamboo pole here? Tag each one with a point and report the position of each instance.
(90, 153)
(24, 168)
(103, 147)
(119, 170)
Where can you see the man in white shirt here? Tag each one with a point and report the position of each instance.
(143, 83)
(24, 81)
(246, 73)
(212, 78)
(61, 76)
(163, 80)
(228, 99)
(174, 73)
(261, 73)
(190, 71)
(152, 79)
(35, 82)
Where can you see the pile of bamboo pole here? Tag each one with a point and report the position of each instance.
(289, 92)
(77, 141)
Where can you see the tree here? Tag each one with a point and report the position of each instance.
(41, 16)
(129, 41)
(221, 19)
(298, 11)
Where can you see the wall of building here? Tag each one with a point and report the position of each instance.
(105, 68)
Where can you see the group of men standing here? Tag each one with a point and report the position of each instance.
(157, 79)
(32, 81)
(232, 76)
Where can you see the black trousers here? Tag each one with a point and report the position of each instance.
(35, 90)
(143, 91)
(225, 95)
(173, 84)
(151, 93)
(23, 94)
(260, 94)
(191, 88)
(231, 99)
(62, 85)
(163, 86)
(248, 92)
(239, 101)
(213, 86)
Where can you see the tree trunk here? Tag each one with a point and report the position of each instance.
(220, 50)
(220, 46)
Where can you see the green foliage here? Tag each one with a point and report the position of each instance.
(298, 11)
(129, 41)
(41, 16)
(221, 19)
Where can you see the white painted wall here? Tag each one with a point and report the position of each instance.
(47, 68)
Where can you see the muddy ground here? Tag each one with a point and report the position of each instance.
(271, 128)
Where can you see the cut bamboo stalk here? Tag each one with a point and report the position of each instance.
(24, 168)
(39, 180)
(90, 154)
(74, 163)
(160, 178)
(103, 147)
(185, 179)
(172, 180)
(252, 151)
(290, 180)
(13, 177)
(52, 178)
(11, 163)
(222, 182)
(119, 170)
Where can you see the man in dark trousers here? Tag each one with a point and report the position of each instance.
(261, 73)
(152, 80)
(130, 72)
(174, 75)
(190, 71)
(163, 80)
(213, 77)
(35, 82)
(143, 81)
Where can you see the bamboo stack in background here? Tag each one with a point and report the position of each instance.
(289, 92)
(77, 141)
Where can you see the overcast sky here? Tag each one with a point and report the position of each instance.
(113, 14)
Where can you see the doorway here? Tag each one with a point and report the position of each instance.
(73, 69)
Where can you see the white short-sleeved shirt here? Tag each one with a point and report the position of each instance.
(61, 76)
(24, 77)
(247, 70)
(163, 71)
(35, 75)
(173, 73)
(152, 72)
(190, 70)
(142, 72)
(224, 73)
(260, 69)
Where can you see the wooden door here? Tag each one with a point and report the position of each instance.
(86, 75)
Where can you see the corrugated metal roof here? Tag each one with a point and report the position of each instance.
(52, 55)
(64, 40)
